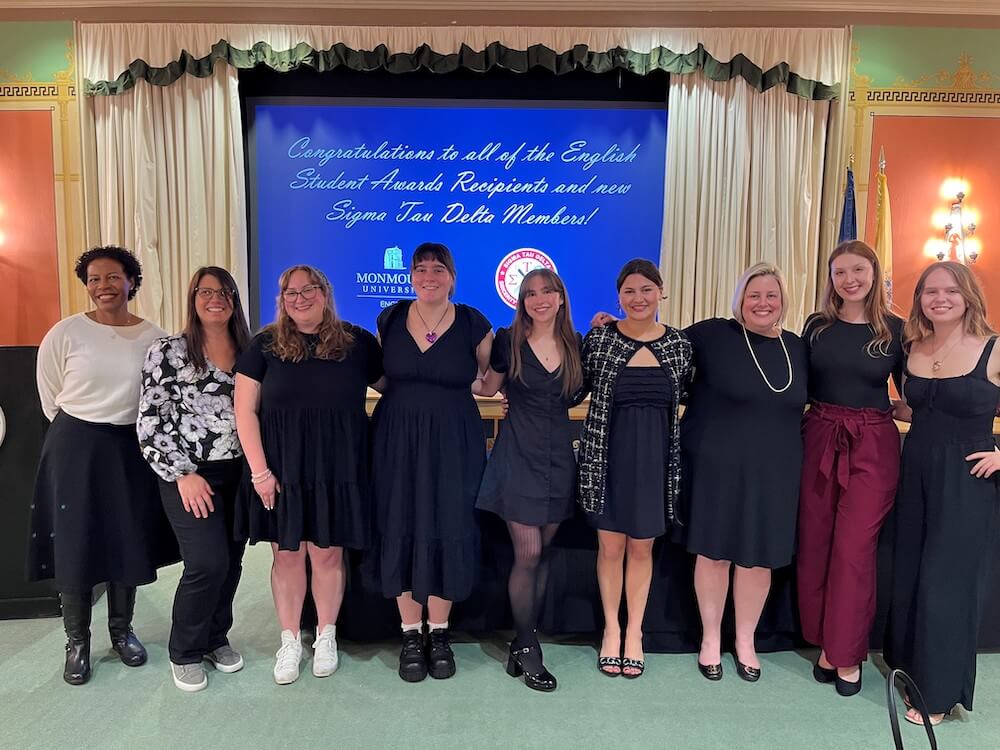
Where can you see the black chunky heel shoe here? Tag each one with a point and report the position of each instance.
(527, 662)
(440, 658)
(412, 658)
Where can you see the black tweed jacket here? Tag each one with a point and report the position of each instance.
(606, 351)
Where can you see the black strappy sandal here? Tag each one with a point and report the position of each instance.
(606, 663)
(637, 664)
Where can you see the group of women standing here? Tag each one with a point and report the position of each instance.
(734, 480)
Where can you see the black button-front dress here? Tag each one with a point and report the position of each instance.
(944, 526)
(428, 456)
(531, 474)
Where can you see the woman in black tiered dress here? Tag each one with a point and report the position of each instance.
(948, 507)
(742, 460)
(428, 454)
(300, 412)
(529, 480)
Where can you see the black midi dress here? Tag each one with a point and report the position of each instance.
(531, 474)
(428, 454)
(944, 525)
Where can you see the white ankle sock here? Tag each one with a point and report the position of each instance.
(437, 625)
(418, 626)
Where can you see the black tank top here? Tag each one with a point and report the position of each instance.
(962, 407)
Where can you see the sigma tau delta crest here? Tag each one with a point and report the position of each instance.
(514, 267)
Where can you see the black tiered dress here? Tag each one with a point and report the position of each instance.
(428, 453)
(531, 474)
(944, 526)
(314, 429)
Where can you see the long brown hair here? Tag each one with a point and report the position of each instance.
(570, 370)
(877, 311)
(289, 343)
(194, 331)
(919, 327)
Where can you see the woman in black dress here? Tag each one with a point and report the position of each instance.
(187, 431)
(300, 411)
(946, 513)
(530, 477)
(742, 460)
(629, 453)
(96, 515)
(428, 454)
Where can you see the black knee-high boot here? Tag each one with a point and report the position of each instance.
(121, 605)
(76, 621)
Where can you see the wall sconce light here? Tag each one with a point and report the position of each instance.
(959, 228)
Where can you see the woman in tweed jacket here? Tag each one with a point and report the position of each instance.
(629, 462)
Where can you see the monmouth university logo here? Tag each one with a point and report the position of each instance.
(514, 267)
(393, 260)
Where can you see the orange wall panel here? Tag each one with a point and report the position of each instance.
(920, 154)
(29, 275)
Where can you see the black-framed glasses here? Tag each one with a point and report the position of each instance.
(307, 292)
(206, 292)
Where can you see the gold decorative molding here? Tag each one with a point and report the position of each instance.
(963, 78)
(68, 76)
(7, 77)
(858, 81)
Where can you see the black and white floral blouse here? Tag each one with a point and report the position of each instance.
(185, 416)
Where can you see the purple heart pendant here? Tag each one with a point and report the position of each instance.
(431, 337)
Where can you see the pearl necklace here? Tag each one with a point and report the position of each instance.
(788, 361)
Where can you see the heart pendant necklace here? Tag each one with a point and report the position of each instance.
(431, 334)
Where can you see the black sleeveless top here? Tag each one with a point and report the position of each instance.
(961, 407)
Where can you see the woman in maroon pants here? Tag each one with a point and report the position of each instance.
(851, 463)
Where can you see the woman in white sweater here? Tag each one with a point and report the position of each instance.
(96, 516)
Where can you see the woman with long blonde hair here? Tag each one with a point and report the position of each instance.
(300, 412)
(530, 477)
(851, 462)
(948, 507)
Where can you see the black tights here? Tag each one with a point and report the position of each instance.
(528, 577)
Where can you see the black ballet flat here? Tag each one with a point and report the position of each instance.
(750, 674)
(711, 672)
(824, 675)
(847, 689)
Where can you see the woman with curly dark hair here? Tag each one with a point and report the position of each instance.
(300, 412)
(96, 516)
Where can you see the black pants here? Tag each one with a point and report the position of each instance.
(213, 561)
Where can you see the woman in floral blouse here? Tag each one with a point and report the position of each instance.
(187, 431)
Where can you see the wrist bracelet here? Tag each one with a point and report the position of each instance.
(260, 476)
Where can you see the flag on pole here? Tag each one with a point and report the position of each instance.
(883, 226)
(849, 218)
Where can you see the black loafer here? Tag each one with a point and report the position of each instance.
(750, 674)
(711, 672)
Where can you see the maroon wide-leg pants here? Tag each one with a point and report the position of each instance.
(850, 470)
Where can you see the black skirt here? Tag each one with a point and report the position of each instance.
(96, 515)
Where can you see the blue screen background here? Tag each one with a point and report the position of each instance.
(290, 208)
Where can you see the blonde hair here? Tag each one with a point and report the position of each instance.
(877, 311)
(289, 343)
(759, 269)
(570, 371)
(919, 328)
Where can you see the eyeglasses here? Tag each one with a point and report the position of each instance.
(307, 292)
(206, 292)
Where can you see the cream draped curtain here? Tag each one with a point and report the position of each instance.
(744, 184)
(744, 173)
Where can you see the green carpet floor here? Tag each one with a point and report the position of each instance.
(365, 705)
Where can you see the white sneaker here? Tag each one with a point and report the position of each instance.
(325, 659)
(286, 661)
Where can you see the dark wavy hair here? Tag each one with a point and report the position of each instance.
(130, 264)
(194, 332)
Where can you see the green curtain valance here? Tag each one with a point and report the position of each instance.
(495, 55)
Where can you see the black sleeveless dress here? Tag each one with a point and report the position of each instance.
(946, 521)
